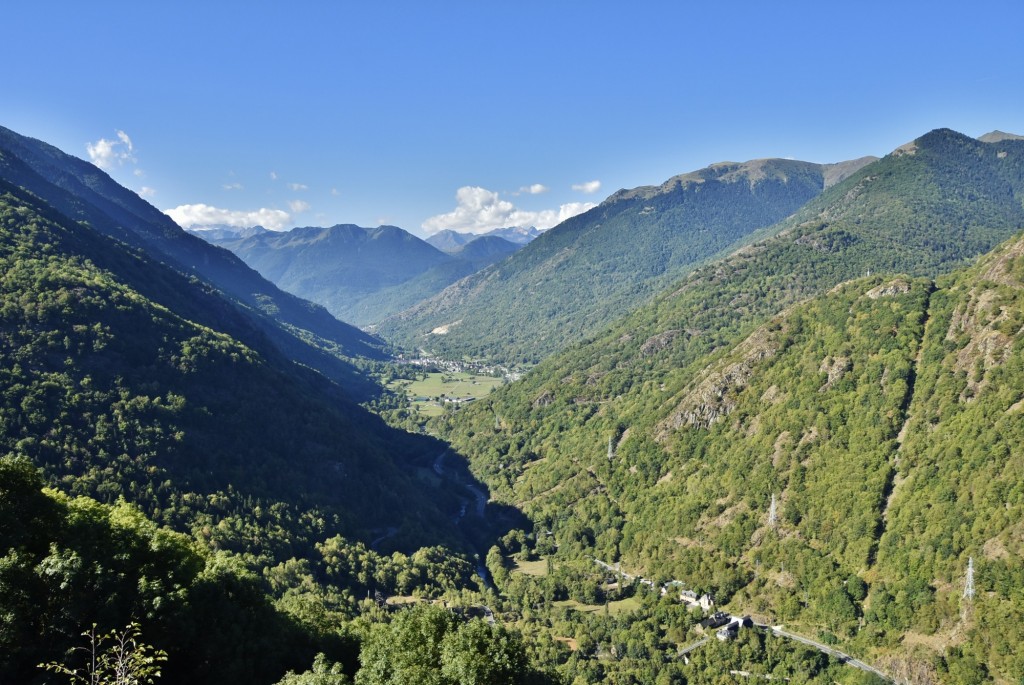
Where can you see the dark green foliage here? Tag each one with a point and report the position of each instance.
(882, 413)
(116, 395)
(74, 563)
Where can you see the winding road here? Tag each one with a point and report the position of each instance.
(479, 496)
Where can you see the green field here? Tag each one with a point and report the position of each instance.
(531, 568)
(622, 606)
(428, 394)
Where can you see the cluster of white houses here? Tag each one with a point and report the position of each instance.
(728, 625)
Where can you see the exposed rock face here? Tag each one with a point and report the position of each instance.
(891, 289)
(544, 399)
(983, 329)
(658, 342)
(713, 397)
(836, 368)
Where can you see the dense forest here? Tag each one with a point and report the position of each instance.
(662, 442)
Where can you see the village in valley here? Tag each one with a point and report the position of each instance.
(434, 385)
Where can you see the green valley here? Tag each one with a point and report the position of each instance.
(808, 418)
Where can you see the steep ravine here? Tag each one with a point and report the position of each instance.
(893, 478)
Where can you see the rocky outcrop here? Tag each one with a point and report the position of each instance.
(658, 342)
(890, 289)
(713, 396)
(836, 368)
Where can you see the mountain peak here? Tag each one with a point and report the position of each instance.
(998, 136)
(933, 139)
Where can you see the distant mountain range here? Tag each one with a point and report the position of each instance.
(196, 375)
(361, 275)
(449, 241)
(810, 409)
(127, 376)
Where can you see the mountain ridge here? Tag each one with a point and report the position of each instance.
(304, 331)
(576, 277)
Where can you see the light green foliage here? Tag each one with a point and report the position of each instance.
(481, 654)
(408, 650)
(882, 413)
(114, 658)
(713, 405)
(322, 673)
(427, 644)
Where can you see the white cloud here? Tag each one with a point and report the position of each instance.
(233, 186)
(139, 172)
(106, 154)
(535, 189)
(187, 216)
(334, 192)
(273, 175)
(298, 186)
(298, 206)
(589, 187)
(146, 191)
(479, 209)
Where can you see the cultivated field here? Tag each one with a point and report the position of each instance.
(431, 395)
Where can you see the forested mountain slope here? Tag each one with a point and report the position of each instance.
(114, 393)
(958, 487)
(119, 384)
(305, 332)
(575, 278)
(662, 442)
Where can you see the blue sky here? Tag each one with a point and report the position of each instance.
(475, 114)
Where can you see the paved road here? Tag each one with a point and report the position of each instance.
(842, 657)
(438, 463)
(388, 533)
(695, 645)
